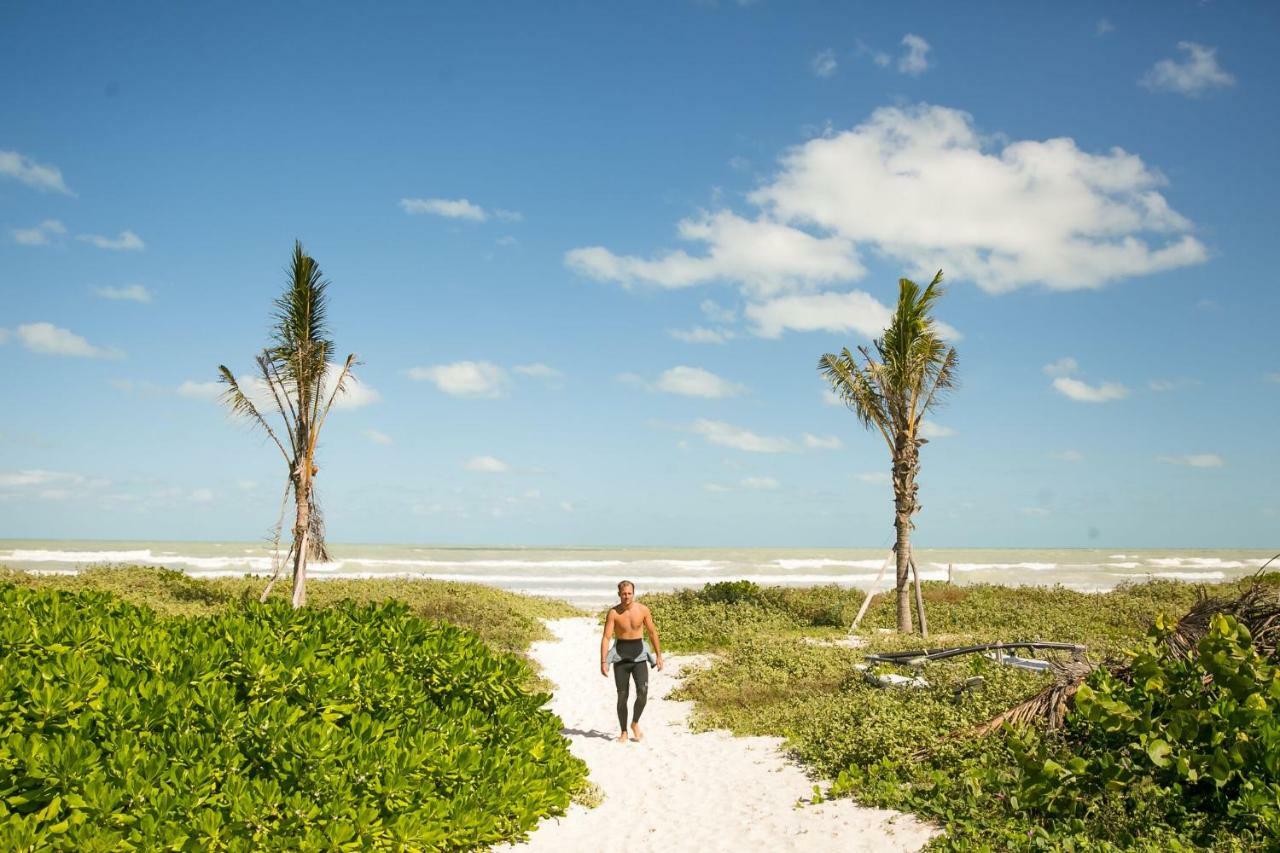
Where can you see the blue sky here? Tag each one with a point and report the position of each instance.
(589, 256)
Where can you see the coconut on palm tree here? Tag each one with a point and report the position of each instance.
(294, 376)
(891, 392)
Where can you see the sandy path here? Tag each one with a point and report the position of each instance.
(678, 790)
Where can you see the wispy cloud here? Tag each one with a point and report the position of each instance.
(1064, 366)
(538, 370)
(203, 390)
(1196, 74)
(356, 394)
(48, 339)
(1194, 460)
(767, 484)
(378, 437)
(131, 293)
(915, 55)
(126, 242)
(465, 378)
(875, 478)
(727, 435)
(822, 442)
(1068, 456)
(1163, 385)
(35, 175)
(487, 465)
(824, 63)
(41, 235)
(1083, 392)
(1103, 27)
(701, 335)
(932, 431)
(458, 208)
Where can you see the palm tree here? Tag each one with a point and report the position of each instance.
(293, 371)
(893, 394)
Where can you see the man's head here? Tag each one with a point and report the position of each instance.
(626, 592)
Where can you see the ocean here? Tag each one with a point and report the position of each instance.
(588, 577)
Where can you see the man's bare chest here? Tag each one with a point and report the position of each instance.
(629, 622)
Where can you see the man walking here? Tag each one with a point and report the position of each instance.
(629, 620)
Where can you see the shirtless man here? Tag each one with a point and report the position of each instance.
(629, 619)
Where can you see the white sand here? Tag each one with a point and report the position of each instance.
(678, 790)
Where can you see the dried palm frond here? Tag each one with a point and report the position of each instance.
(1048, 707)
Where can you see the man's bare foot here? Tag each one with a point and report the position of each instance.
(636, 733)
(622, 738)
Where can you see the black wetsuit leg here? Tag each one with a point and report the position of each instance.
(623, 673)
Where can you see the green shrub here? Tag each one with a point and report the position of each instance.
(354, 727)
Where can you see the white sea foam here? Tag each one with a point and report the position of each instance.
(1194, 563)
(823, 563)
(983, 567)
(1123, 565)
(78, 556)
(1191, 576)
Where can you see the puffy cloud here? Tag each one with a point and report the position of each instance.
(487, 465)
(696, 382)
(1194, 460)
(355, 395)
(918, 185)
(727, 435)
(205, 390)
(914, 59)
(1194, 76)
(765, 257)
(824, 63)
(822, 442)
(465, 378)
(132, 293)
(41, 235)
(126, 242)
(36, 175)
(48, 339)
(1082, 392)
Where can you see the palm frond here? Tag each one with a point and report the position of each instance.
(857, 389)
(240, 404)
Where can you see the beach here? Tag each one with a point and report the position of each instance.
(586, 577)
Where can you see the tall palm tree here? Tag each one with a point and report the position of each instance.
(293, 370)
(892, 395)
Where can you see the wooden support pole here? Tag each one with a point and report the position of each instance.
(924, 623)
(866, 602)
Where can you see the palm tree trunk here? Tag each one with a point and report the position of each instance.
(301, 531)
(902, 554)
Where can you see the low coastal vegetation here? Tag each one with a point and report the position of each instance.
(1160, 751)
(142, 709)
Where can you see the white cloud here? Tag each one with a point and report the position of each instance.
(1162, 385)
(739, 163)
(41, 235)
(508, 215)
(917, 184)
(764, 256)
(914, 59)
(931, 430)
(828, 312)
(879, 57)
(726, 435)
(567, 506)
(716, 487)
(1069, 456)
(1083, 392)
(696, 382)
(126, 242)
(822, 442)
(831, 398)
(922, 188)
(204, 390)
(36, 175)
(48, 339)
(760, 483)
(132, 293)
(355, 393)
(465, 378)
(201, 496)
(876, 478)
(378, 437)
(487, 465)
(1194, 460)
(246, 485)
(824, 63)
(1198, 73)
(1064, 366)
(38, 478)
(506, 240)
(538, 370)
(1103, 27)
(449, 208)
(701, 335)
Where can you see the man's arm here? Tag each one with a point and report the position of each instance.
(604, 644)
(653, 634)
